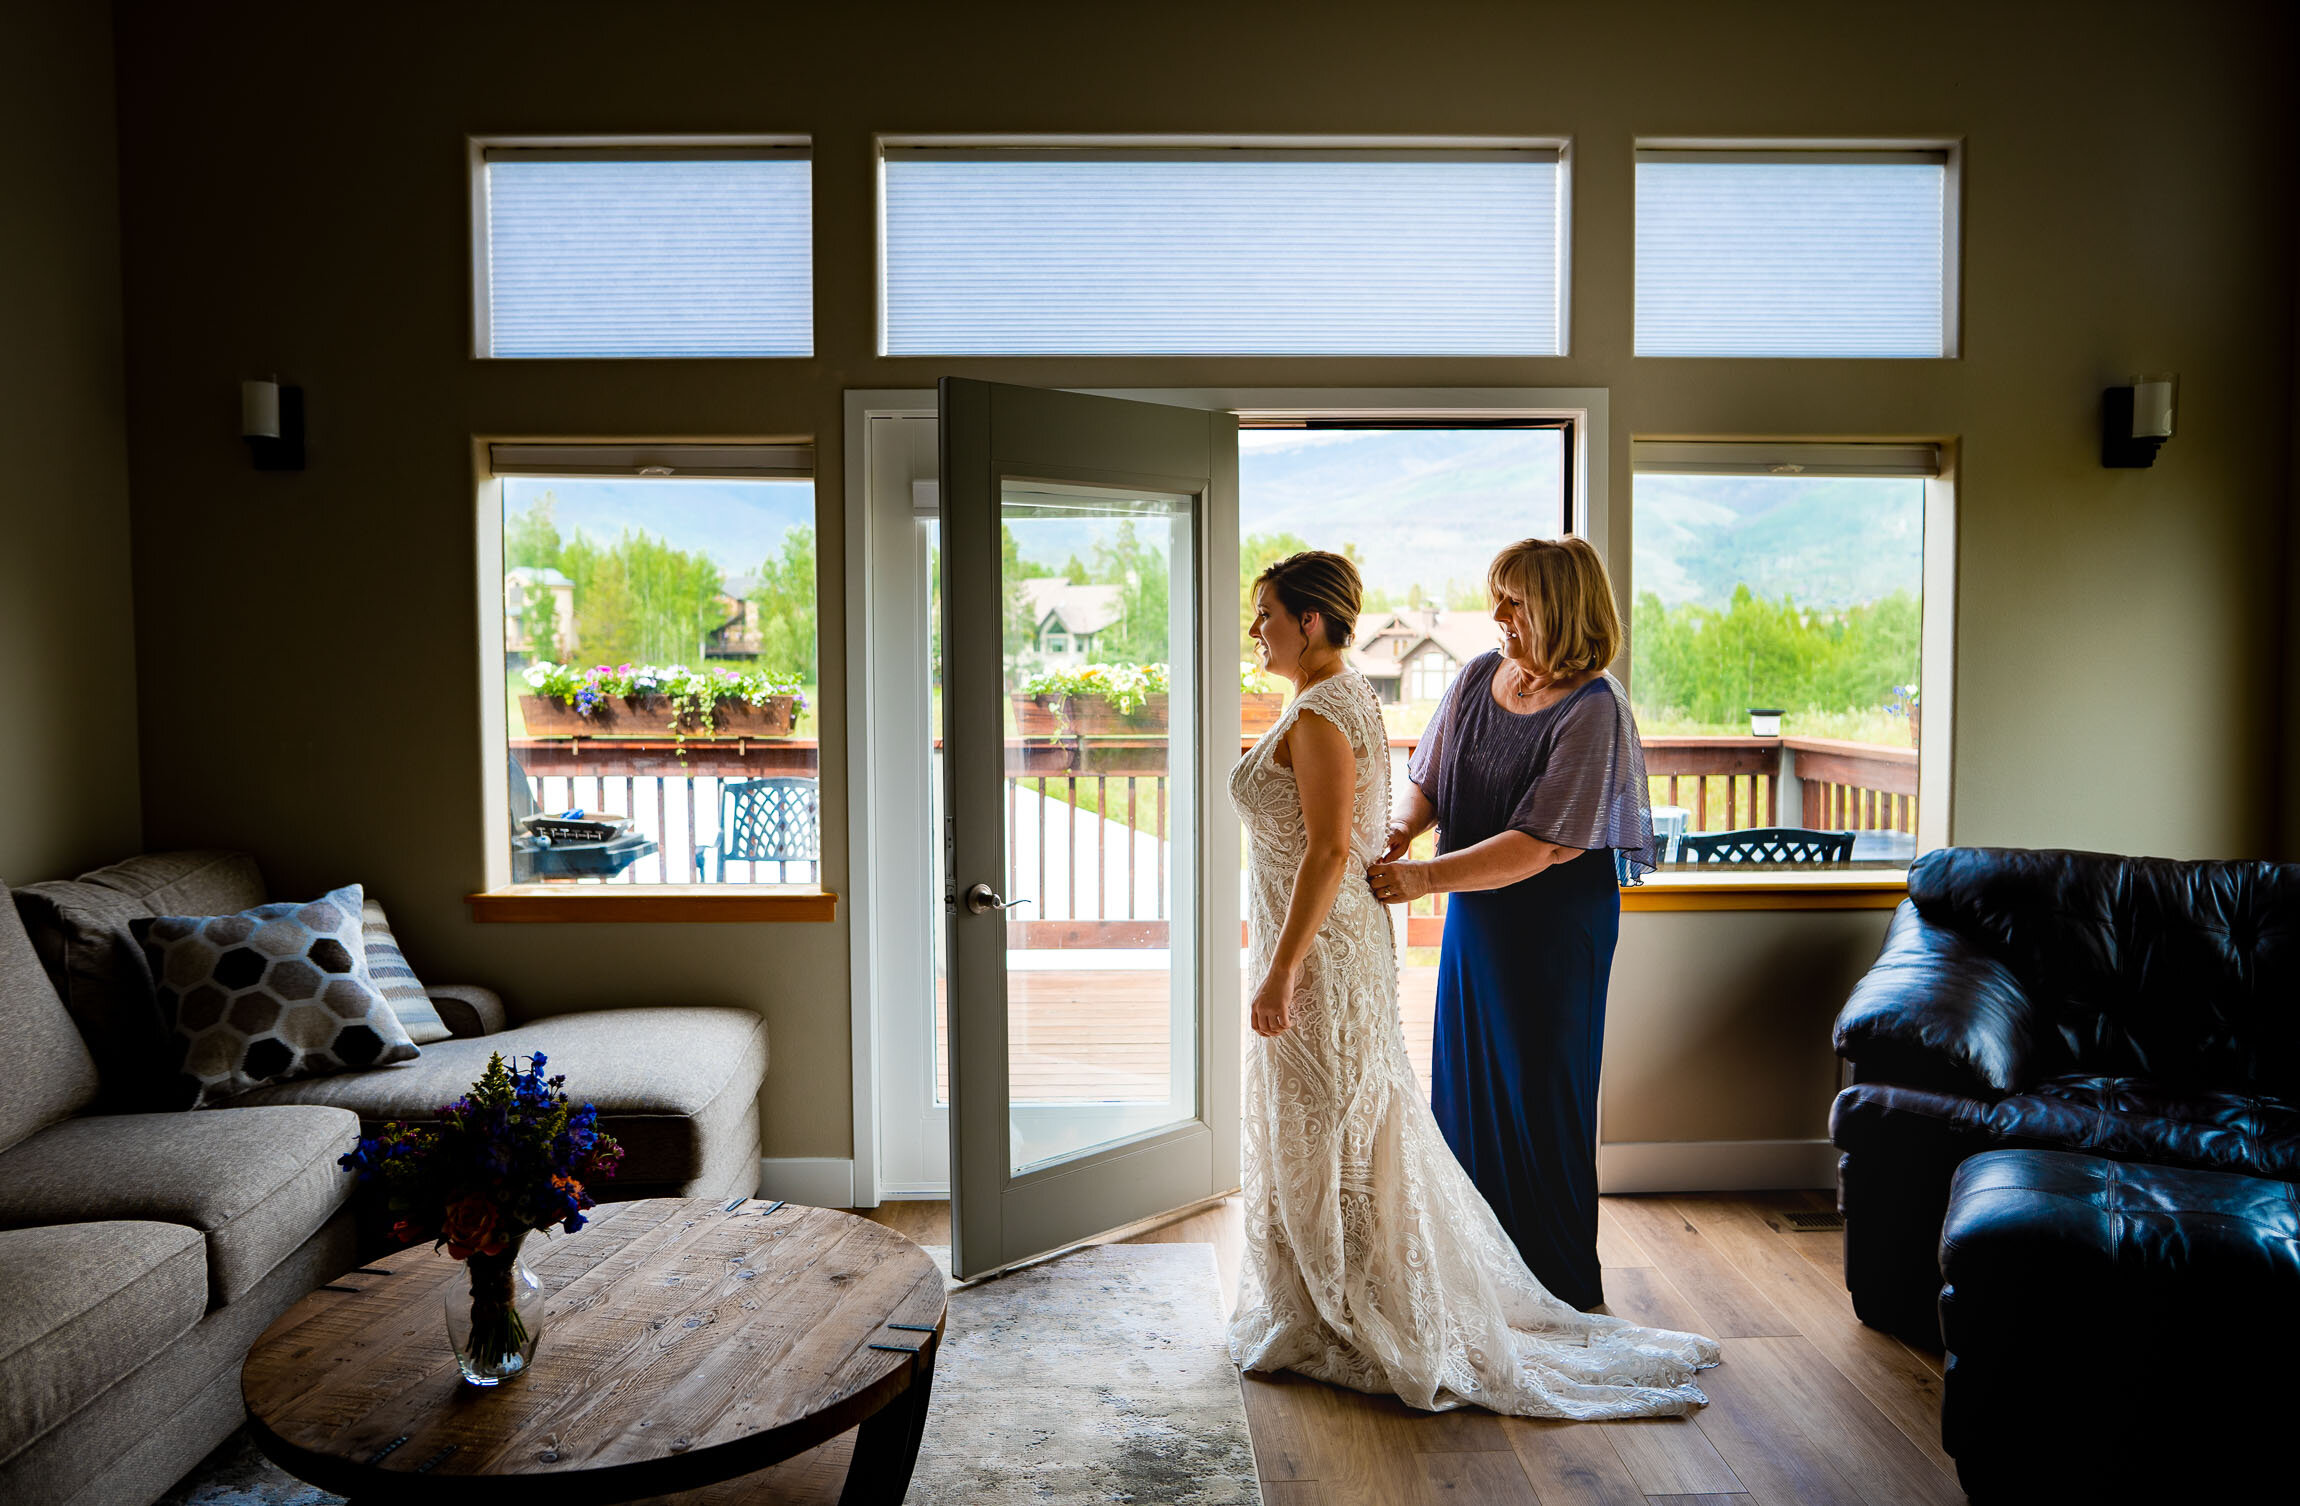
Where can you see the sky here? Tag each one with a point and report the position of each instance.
(737, 523)
(1424, 506)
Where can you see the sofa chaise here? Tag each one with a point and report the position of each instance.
(142, 1252)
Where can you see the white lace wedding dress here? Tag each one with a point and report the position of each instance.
(1371, 1260)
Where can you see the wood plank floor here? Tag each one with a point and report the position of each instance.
(1085, 1036)
(1808, 1406)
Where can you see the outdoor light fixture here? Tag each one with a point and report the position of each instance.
(271, 421)
(2135, 420)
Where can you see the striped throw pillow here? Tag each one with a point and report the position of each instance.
(397, 981)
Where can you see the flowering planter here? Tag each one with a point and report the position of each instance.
(1258, 710)
(650, 716)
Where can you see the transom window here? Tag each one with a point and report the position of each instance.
(1114, 249)
(1795, 253)
(606, 251)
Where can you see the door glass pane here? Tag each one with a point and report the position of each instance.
(930, 546)
(1101, 815)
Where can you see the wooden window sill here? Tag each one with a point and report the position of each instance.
(582, 904)
(1878, 889)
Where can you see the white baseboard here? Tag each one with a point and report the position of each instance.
(926, 1192)
(817, 1181)
(1714, 1165)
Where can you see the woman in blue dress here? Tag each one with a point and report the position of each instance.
(1532, 773)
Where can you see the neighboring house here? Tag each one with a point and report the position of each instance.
(529, 584)
(1067, 619)
(737, 636)
(1413, 654)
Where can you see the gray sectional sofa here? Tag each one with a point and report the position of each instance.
(141, 1253)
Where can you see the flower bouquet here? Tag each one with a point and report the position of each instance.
(509, 1157)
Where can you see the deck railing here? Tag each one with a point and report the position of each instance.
(1087, 818)
(669, 790)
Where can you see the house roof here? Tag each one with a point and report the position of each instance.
(536, 575)
(1078, 609)
(1388, 639)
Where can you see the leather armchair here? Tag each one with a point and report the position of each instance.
(2135, 1009)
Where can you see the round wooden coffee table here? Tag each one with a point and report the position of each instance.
(683, 1344)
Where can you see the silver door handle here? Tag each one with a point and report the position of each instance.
(982, 899)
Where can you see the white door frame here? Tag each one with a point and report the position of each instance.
(881, 859)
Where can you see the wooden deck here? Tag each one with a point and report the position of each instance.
(1094, 1037)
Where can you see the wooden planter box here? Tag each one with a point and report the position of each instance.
(1092, 716)
(548, 716)
(1258, 710)
(1037, 715)
(729, 718)
(1085, 716)
(650, 716)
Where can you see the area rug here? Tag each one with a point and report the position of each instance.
(1098, 1377)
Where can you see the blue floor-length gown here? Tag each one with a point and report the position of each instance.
(1522, 979)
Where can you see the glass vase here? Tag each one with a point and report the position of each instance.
(494, 1328)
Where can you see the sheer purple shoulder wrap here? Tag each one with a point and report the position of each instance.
(1572, 773)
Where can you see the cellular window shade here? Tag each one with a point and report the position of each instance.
(650, 258)
(1266, 255)
(1791, 258)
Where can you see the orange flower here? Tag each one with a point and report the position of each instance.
(471, 1228)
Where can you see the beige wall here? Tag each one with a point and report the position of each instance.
(67, 653)
(1717, 1027)
(294, 200)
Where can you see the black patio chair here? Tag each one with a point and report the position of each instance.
(765, 821)
(1771, 846)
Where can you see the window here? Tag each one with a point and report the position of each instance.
(1433, 672)
(1016, 250)
(645, 251)
(1776, 646)
(1795, 253)
(659, 663)
(1058, 643)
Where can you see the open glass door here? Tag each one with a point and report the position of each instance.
(1098, 795)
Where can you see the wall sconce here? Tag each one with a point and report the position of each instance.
(2135, 420)
(271, 421)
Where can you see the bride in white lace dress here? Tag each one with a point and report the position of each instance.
(1371, 1260)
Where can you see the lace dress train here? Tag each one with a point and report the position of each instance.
(1371, 1260)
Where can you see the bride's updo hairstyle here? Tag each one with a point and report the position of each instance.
(1569, 597)
(1316, 581)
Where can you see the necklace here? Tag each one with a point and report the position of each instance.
(1528, 687)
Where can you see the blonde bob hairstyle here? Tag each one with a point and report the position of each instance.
(1569, 598)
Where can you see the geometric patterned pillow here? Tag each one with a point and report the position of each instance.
(271, 993)
(395, 980)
